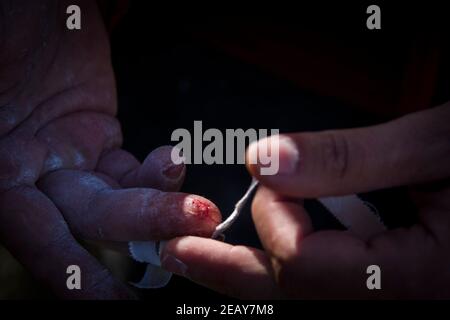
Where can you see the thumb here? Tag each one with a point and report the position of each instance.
(412, 149)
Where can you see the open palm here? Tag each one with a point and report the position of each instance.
(63, 175)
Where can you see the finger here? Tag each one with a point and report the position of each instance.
(36, 234)
(95, 211)
(333, 264)
(233, 270)
(157, 171)
(294, 220)
(330, 265)
(411, 149)
(336, 265)
(281, 223)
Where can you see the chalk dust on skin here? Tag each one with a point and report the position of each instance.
(53, 162)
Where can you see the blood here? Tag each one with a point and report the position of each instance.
(201, 208)
(204, 209)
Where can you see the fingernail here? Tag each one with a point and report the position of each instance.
(174, 171)
(288, 156)
(174, 265)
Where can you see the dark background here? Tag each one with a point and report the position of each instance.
(299, 68)
(319, 68)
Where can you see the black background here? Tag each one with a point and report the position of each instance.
(167, 78)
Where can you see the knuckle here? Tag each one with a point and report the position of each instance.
(20, 162)
(335, 154)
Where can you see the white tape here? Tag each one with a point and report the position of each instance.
(149, 252)
(145, 251)
(154, 278)
(356, 215)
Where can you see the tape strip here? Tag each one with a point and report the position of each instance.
(145, 252)
(149, 252)
(356, 215)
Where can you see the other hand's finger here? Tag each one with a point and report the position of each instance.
(282, 223)
(334, 264)
(412, 149)
(234, 270)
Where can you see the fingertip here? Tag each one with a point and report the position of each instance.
(204, 212)
(174, 171)
(281, 222)
(252, 159)
(170, 214)
(238, 271)
(275, 162)
(159, 170)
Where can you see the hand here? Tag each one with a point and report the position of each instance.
(63, 175)
(298, 262)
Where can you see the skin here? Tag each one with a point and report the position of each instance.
(298, 262)
(63, 175)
